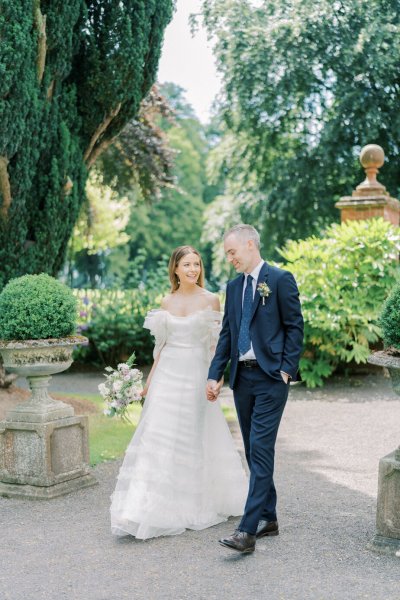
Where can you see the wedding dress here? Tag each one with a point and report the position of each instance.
(181, 469)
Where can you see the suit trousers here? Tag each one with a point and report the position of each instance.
(260, 401)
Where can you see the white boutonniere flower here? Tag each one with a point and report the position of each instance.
(264, 291)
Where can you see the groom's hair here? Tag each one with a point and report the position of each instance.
(244, 232)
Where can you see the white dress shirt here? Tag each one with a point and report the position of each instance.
(255, 273)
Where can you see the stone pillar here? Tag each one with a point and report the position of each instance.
(370, 199)
(387, 536)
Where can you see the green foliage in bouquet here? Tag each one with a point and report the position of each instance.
(343, 280)
(390, 319)
(37, 307)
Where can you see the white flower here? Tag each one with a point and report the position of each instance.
(103, 389)
(122, 387)
(117, 385)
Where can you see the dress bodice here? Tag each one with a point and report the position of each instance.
(200, 328)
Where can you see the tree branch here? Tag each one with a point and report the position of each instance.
(5, 187)
(40, 22)
(50, 90)
(99, 150)
(99, 131)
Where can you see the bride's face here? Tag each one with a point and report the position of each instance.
(189, 269)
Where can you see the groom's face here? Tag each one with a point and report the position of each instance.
(239, 253)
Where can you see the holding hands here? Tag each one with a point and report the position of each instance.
(213, 389)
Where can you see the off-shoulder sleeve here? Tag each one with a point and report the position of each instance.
(156, 322)
(214, 319)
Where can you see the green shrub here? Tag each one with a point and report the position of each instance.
(113, 322)
(113, 319)
(343, 280)
(389, 319)
(37, 307)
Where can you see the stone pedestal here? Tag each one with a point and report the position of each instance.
(44, 459)
(370, 199)
(387, 537)
(44, 450)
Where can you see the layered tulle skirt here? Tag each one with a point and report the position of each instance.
(181, 469)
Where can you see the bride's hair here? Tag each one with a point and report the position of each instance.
(176, 256)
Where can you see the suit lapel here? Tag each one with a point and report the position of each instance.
(238, 300)
(263, 276)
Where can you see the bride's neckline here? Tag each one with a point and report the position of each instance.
(208, 308)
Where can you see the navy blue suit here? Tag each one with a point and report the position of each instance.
(276, 332)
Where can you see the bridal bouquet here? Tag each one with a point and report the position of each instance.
(122, 387)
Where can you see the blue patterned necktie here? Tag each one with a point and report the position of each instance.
(244, 343)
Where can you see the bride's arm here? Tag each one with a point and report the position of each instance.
(148, 381)
(215, 386)
(160, 340)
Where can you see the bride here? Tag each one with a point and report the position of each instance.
(181, 469)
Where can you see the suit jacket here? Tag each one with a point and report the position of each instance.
(276, 327)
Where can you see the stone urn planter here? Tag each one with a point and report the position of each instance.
(44, 449)
(37, 360)
(390, 359)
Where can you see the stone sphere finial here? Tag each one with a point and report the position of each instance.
(372, 158)
(372, 155)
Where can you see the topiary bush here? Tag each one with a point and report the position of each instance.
(37, 307)
(389, 319)
(343, 278)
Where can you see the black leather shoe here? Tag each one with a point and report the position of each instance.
(241, 541)
(267, 528)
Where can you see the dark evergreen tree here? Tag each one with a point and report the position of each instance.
(72, 74)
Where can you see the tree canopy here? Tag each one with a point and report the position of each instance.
(305, 85)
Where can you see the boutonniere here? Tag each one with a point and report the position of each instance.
(264, 291)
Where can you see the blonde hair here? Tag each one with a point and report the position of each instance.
(176, 256)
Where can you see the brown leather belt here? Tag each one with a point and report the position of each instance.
(249, 363)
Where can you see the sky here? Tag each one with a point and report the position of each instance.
(188, 60)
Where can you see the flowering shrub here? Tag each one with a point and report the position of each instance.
(343, 279)
(113, 319)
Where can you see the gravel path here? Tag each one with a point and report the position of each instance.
(328, 450)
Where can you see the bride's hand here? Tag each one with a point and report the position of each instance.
(144, 391)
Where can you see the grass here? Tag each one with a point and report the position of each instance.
(109, 437)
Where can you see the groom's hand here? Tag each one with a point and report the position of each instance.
(285, 376)
(213, 389)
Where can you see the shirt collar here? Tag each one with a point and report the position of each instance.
(256, 271)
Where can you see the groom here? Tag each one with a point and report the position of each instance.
(262, 336)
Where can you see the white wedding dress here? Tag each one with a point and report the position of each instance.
(181, 470)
